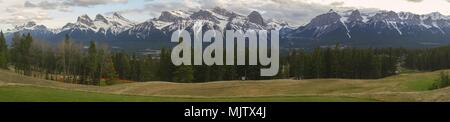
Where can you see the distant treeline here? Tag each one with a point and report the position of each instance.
(97, 65)
(428, 59)
(342, 63)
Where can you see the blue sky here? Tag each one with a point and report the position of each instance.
(56, 13)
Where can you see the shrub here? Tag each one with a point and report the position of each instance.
(442, 82)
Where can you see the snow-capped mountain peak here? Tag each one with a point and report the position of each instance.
(173, 16)
(223, 12)
(102, 24)
(386, 16)
(344, 25)
(216, 18)
(204, 15)
(435, 16)
(85, 19)
(117, 16)
(32, 28)
(28, 26)
(101, 18)
(355, 16)
(325, 19)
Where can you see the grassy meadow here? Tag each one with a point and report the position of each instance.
(409, 86)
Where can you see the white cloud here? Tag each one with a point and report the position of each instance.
(65, 5)
(296, 12)
(415, 6)
(15, 14)
(43, 5)
(20, 16)
(18, 12)
(91, 2)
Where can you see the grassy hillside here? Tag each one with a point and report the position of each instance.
(404, 87)
(40, 94)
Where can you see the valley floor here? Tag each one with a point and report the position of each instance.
(403, 87)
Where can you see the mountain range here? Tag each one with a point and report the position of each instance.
(348, 28)
(372, 29)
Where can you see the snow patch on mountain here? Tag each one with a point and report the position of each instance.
(101, 24)
(399, 22)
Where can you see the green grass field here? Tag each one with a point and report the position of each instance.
(404, 87)
(39, 94)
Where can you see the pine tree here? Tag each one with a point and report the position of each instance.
(149, 69)
(166, 68)
(109, 72)
(93, 64)
(27, 54)
(3, 52)
(20, 53)
(318, 69)
(104, 66)
(122, 65)
(183, 74)
(50, 64)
